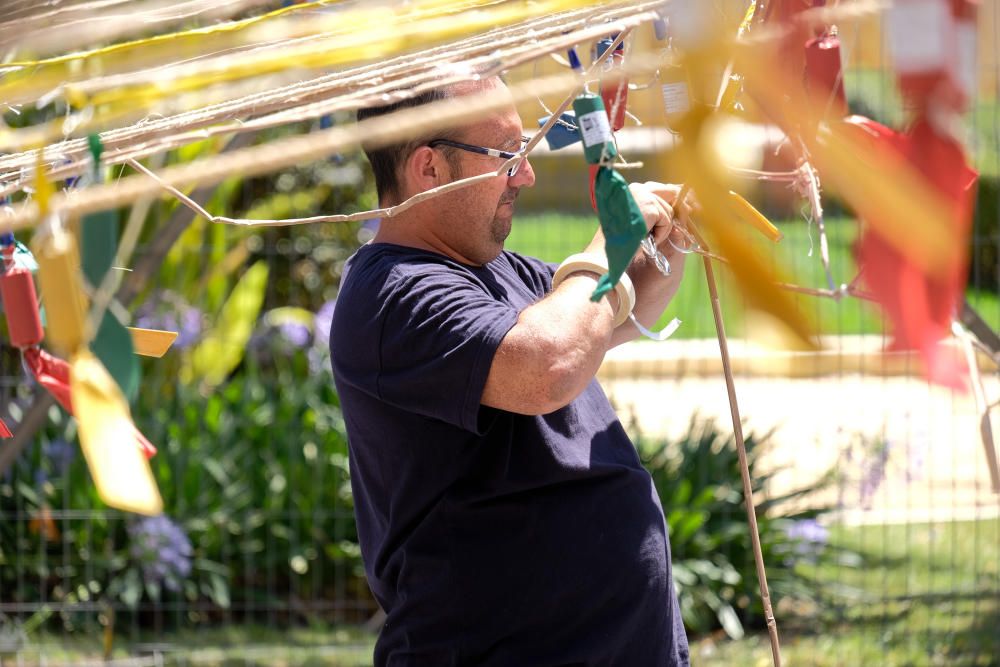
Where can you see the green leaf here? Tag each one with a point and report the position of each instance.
(219, 591)
(153, 590)
(683, 574)
(223, 348)
(686, 524)
(132, 588)
(98, 246)
(730, 621)
(216, 470)
(113, 346)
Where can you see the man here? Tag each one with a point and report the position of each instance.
(503, 514)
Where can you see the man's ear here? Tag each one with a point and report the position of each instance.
(426, 168)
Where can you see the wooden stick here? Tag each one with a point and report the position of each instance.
(982, 406)
(741, 450)
(772, 626)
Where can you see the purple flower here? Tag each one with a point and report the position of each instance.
(915, 448)
(190, 327)
(324, 322)
(295, 333)
(873, 474)
(162, 550)
(809, 531)
(319, 359)
(170, 312)
(809, 538)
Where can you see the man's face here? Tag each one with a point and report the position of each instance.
(477, 219)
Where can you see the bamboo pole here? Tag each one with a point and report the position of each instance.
(741, 450)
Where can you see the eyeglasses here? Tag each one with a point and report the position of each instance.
(492, 152)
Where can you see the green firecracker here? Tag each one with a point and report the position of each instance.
(622, 223)
(592, 119)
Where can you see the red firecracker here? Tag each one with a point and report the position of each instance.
(824, 77)
(20, 303)
(921, 307)
(933, 46)
(53, 373)
(614, 88)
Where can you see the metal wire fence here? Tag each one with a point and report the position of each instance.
(256, 560)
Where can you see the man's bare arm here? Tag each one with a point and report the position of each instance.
(555, 348)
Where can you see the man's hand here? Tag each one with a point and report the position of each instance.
(655, 202)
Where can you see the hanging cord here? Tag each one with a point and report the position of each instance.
(342, 91)
(381, 212)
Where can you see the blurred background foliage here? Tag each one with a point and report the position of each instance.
(252, 458)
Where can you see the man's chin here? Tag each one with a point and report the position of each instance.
(500, 232)
(502, 225)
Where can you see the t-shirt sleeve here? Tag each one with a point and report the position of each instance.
(440, 332)
(534, 272)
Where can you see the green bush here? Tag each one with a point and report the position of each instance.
(255, 479)
(984, 259)
(699, 483)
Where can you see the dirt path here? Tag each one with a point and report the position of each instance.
(904, 450)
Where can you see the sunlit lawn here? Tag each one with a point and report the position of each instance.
(554, 237)
(926, 595)
(922, 595)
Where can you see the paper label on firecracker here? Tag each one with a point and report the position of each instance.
(966, 74)
(595, 128)
(690, 21)
(676, 98)
(918, 35)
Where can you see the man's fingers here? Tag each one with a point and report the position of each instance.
(661, 230)
(666, 191)
(669, 193)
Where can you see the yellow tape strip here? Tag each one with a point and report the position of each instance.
(151, 342)
(370, 34)
(746, 212)
(755, 278)
(121, 473)
(62, 290)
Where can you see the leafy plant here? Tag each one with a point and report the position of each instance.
(255, 476)
(699, 483)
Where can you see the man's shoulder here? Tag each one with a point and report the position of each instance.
(381, 266)
(516, 259)
(531, 271)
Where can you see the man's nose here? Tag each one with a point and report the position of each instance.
(525, 176)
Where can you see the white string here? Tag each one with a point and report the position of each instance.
(381, 212)
(348, 90)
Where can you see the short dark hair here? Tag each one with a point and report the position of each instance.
(386, 160)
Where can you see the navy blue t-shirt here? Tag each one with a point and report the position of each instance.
(488, 537)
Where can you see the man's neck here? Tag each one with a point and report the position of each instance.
(411, 231)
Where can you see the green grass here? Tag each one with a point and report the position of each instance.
(555, 236)
(923, 595)
(920, 595)
(242, 645)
